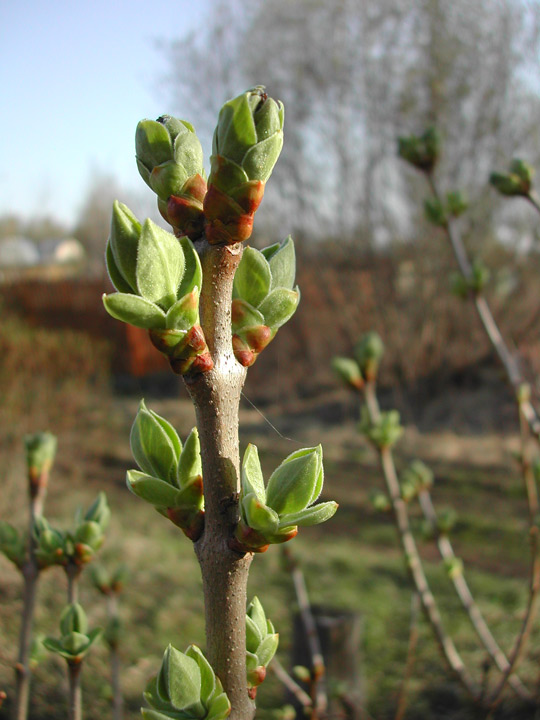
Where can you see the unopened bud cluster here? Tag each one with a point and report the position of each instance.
(158, 275)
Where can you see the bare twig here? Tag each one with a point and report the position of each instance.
(290, 684)
(75, 700)
(467, 600)
(414, 561)
(506, 355)
(320, 699)
(411, 657)
(534, 582)
(30, 571)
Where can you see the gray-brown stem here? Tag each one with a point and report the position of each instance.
(75, 697)
(30, 573)
(414, 562)
(216, 396)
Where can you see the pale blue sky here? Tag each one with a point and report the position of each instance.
(75, 78)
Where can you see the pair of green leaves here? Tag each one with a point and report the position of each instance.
(75, 640)
(261, 643)
(383, 432)
(170, 476)
(263, 297)
(109, 582)
(414, 479)
(438, 212)
(368, 353)
(185, 687)
(273, 513)
(463, 286)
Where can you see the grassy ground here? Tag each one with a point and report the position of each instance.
(352, 563)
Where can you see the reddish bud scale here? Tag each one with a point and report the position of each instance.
(185, 210)
(191, 524)
(37, 480)
(229, 217)
(190, 355)
(257, 676)
(248, 540)
(247, 344)
(252, 693)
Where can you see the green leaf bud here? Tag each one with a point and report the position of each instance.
(517, 182)
(40, 451)
(171, 480)
(246, 145)
(459, 285)
(89, 534)
(40, 454)
(49, 544)
(383, 433)
(421, 151)
(456, 203)
(435, 212)
(158, 279)
(446, 521)
(101, 579)
(380, 501)
(273, 514)
(368, 352)
(261, 643)
(454, 567)
(524, 171)
(185, 686)
(263, 298)
(302, 673)
(419, 475)
(113, 632)
(12, 545)
(73, 619)
(170, 161)
(480, 277)
(250, 133)
(348, 372)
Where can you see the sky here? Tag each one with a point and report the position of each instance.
(75, 78)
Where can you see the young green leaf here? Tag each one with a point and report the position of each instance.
(152, 489)
(251, 474)
(279, 306)
(253, 277)
(160, 265)
(134, 310)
